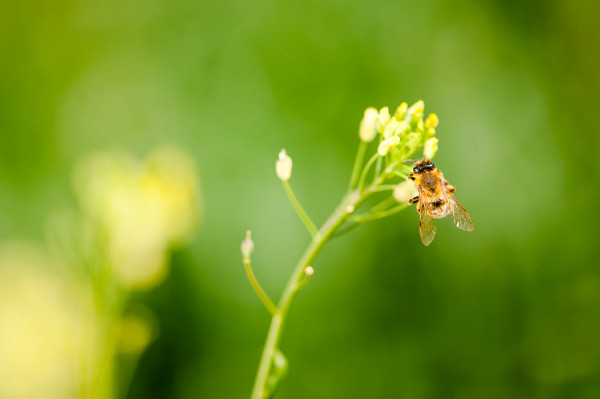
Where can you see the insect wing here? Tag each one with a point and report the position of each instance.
(427, 228)
(460, 216)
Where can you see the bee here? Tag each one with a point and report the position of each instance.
(435, 200)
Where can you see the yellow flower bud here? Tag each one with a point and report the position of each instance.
(283, 166)
(430, 148)
(388, 144)
(415, 110)
(429, 133)
(419, 126)
(390, 128)
(402, 129)
(431, 121)
(368, 125)
(384, 118)
(400, 113)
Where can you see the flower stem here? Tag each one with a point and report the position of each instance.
(303, 215)
(363, 175)
(386, 187)
(259, 290)
(360, 156)
(378, 215)
(294, 283)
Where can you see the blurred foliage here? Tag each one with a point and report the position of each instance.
(511, 310)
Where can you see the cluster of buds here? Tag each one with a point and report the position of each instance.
(400, 134)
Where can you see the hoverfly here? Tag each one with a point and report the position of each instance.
(435, 200)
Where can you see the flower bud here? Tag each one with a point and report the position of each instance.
(283, 166)
(388, 144)
(400, 113)
(432, 121)
(419, 125)
(405, 191)
(401, 128)
(410, 143)
(390, 128)
(429, 133)
(415, 110)
(430, 148)
(247, 245)
(368, 125)
(384, 118)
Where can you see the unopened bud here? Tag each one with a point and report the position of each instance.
(419, 126)
(410, 143)
(309, 271)
(405, 191)
(247, 245)
(388, 144)
(402, 129)
(430, 148)
(400, 113)
(429, 133)
(283, 166)
(390, 128)
(415, 110)
(368, 125)
(383, 119)
(431, 121)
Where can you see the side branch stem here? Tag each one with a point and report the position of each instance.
(338, 217)
(259, 290)
(303, 215)
(360, 156)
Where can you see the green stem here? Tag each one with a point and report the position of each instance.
(360, 156)
(385, 204)
(385, 187)
(258, 289)
(363, 175)
(378, 215)
(303, 215)
(338, 217)
(399, 174)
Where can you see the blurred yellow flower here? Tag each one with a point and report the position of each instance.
(41, 320)
(143, 208)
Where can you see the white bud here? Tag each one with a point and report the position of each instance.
(247, 245)
(383, 119)
(309, 271)
(388, 144)
(368, 125)
(430, 148)
(405, 191)
(283, 166)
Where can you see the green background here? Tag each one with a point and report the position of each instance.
(509, 311)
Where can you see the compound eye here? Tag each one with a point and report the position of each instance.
(416, 169)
